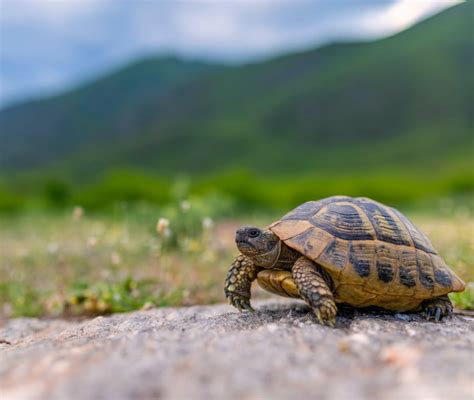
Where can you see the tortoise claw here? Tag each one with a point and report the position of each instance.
(240, 302)
(428, 314)
(438, 314)
(326, 314)
(435, 314)
(318, 315)
(325, 320)
(438, 308)
(248, 307)
(238, 305)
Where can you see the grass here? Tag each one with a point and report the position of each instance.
(76, 263)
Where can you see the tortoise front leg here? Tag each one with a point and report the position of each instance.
(315, 290)
(238, 282)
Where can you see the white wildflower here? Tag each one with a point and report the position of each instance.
(91, 241)
(77, 213)
(207, 223)
(23, 252)
(115, 258)
(52, 248)
(162, 227)
(185, 205)
(147, 306)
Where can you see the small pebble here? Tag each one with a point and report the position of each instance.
(403, 317)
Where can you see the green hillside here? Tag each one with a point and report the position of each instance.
(41, 132)
(399, 104)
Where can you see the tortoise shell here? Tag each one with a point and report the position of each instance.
(374, 254)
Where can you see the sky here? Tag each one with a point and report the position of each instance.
(48, 46)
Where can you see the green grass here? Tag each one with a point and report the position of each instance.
(464, 300)
(78, 262)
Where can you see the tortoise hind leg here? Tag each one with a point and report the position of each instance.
(315, 290)
(437, 308)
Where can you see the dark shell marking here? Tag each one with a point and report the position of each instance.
(304, 240)
(384, 272)
(442, 277)
(360, 261)
(342, 221)
(407, 268)
(386, 227)
(425, 271)
(336, 253)
(419, 239)
(407, 277)
(308, 209)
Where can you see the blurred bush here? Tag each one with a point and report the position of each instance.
(237, 191)
(21, 300)
(124, 186)
(57, 193)
(10, 202)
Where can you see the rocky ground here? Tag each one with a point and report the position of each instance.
(213, 352)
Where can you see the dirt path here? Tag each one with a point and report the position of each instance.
(213, 352)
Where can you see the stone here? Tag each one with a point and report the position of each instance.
(214, 352)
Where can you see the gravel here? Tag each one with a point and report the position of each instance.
(214, 352)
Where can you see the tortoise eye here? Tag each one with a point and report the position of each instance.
(253, 233)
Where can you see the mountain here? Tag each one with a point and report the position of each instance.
(400, 103)
(41, 132)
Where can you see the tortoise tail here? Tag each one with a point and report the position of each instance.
(458, 284)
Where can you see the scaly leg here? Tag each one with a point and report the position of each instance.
(238, 282)
(437, 308)
(315, 290)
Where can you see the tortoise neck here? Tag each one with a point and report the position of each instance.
(287, 258)
(270, 258)
(279, 257)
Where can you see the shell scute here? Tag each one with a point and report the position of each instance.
(287, 229)
(311, 242)
(343, 220)
(361, 263)
(425, 275)
(407, 271)
(336, 253)
(386, 224)
(420, 240)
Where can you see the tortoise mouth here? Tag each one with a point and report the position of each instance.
(243, 244)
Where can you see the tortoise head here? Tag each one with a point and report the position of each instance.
(262, 246)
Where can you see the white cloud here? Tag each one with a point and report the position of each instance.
(401, 15)
(51, 12)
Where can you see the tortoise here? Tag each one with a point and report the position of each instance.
(343, 250)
